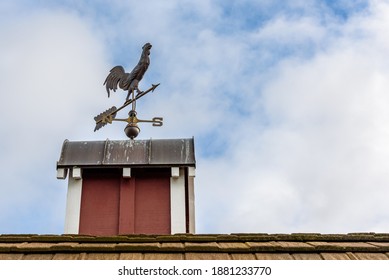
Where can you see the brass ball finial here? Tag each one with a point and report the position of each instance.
(132, 130)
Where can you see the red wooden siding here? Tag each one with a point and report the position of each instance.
(152, 205)
(127, 206)
(112, 205)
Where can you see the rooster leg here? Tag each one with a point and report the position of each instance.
(129, 93)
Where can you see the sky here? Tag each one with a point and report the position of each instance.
(288, 103)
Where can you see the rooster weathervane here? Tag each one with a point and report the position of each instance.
(129, 82)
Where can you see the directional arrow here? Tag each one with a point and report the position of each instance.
(108, 115)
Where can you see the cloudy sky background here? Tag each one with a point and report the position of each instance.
(288, 102)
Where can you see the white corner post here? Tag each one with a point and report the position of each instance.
(73, 202)
(191, 199)
(177, 201)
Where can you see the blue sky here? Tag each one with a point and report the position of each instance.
(287, 100)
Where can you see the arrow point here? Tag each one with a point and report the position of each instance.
(154, 86)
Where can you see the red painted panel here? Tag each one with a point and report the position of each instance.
(152, 204)
(111, 204)
(100, 202)
(127, 206)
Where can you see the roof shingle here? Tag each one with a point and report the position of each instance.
(202, 246)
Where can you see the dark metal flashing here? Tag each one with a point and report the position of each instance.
(131, 153)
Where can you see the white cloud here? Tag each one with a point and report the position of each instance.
(320, 163)
(50, 65)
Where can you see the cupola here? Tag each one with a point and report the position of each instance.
(129, 186)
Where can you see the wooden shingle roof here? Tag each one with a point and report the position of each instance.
(354, 246)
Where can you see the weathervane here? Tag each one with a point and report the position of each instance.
(128, 81)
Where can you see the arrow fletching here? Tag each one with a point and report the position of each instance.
(105, 117)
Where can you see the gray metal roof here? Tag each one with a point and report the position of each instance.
(153, 152)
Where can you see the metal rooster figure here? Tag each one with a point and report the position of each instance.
(129, 82)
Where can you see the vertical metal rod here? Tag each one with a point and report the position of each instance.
(134, 101)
